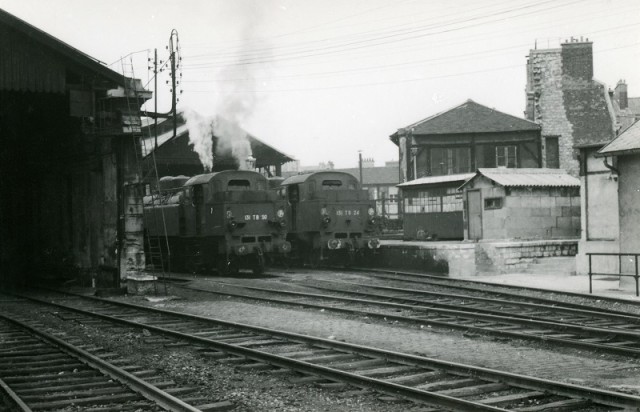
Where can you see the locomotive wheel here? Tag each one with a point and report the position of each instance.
(227, 267)
(259, 265)
(258, 268)
(315, 258)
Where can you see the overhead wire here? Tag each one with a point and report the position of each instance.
(394, 37)
(399, 81)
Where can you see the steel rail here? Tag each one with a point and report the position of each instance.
(559, 388)
(591, 312)
(14, 397)
(442, 281)
(147, 390)
(594, 332)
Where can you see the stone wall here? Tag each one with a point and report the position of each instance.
(514, 257)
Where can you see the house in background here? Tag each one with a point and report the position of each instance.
(439, 153)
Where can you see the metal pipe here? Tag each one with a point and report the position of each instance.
(610, 167)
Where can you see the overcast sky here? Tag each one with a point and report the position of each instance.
(321, 80)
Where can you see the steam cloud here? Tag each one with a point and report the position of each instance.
(236, 98)
(201, 130)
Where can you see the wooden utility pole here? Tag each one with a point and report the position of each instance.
(172, 57)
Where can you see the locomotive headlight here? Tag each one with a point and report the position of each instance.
(323, 211)
(325, 221)
(280, 213)
(371, 212)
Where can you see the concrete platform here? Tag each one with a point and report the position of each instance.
(547, 264)
(606, 287)
(465, 259)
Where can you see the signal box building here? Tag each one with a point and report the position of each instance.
(439, 153)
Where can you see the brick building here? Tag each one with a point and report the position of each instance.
(571, 107)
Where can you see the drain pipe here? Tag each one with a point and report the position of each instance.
(610, 167)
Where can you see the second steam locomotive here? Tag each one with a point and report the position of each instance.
(331, 217)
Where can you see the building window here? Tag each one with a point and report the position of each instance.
(493, 203)
(433, 201)
(450, 160)
(552, 152)
(507, 156)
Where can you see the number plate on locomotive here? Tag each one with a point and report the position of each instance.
(347, 212)
(256, 217)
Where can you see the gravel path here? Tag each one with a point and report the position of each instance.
(563, 364)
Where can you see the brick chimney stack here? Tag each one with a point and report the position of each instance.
(577, 58)
(620, 94)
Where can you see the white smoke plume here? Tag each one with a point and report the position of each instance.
(232, 139)
(200, 131)
(235, 96)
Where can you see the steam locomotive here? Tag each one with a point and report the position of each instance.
(220, 221)
(330, 217)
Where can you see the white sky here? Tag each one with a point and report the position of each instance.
(321, 80)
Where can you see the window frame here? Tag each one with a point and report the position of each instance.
(489, 200)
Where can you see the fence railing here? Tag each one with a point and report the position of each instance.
(622, 264)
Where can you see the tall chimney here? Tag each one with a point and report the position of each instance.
(620, 94)
(577, 59)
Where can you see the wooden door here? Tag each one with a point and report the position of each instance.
(474, 214)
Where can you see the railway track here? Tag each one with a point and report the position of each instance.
(440, 384)
(39, 371)
(581, 328)
(491, 289)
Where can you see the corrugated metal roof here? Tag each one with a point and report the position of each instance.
(627, 142)
(429, 180)
(527, 177)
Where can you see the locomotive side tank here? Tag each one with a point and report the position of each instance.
(330, 216)
(223, 221)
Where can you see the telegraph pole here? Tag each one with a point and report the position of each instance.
(155, 94)
(172, 57)
(360, 166)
